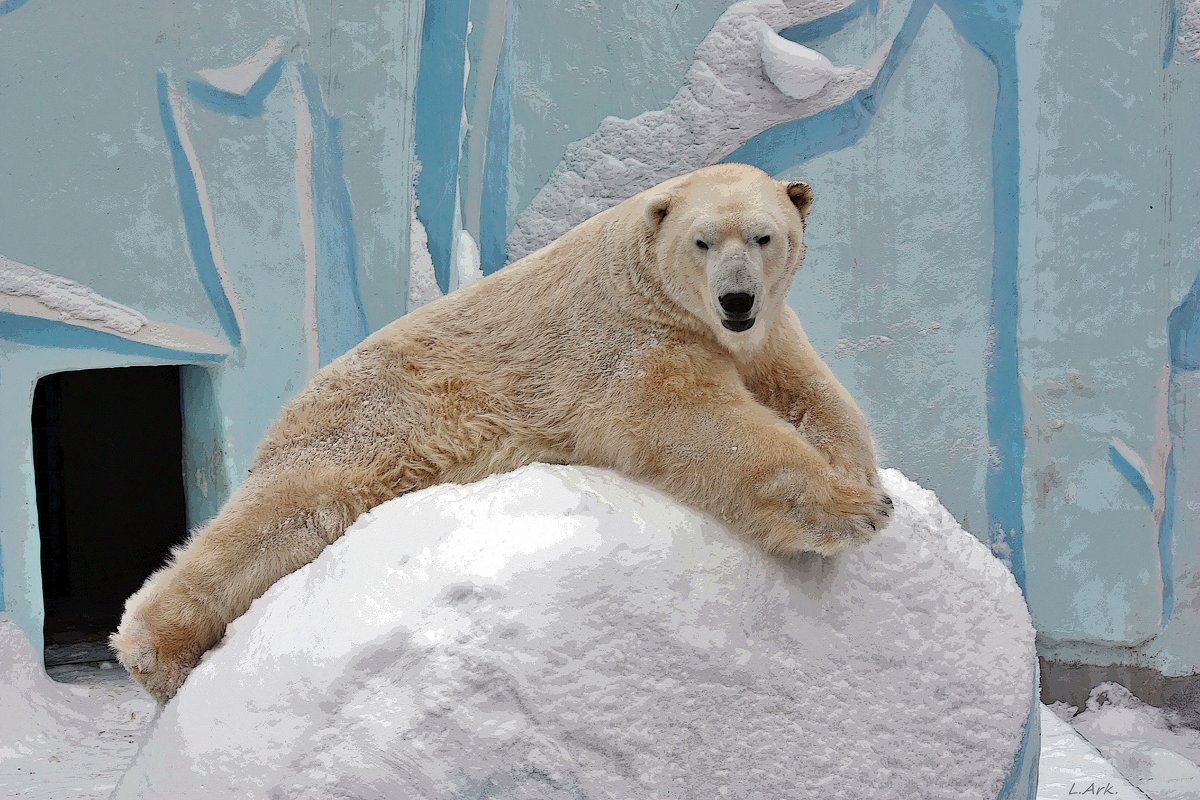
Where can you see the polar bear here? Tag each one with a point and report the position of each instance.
(652, 339)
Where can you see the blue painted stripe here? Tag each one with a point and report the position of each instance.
(1183, 331)
(341, 320)
(437, 117)
(1172, 28)
(1131, 473)
(991, 28)
(1166, 540)
(1183, 349)
(1022, 780)
(193, 219)
(247, 105)
(493, 206)
(793, 142)
(7, 7)
(3, 603)
(39, 332)
(830, 24)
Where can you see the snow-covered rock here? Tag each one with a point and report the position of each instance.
(565, 632)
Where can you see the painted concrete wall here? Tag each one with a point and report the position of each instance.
(1003, 251)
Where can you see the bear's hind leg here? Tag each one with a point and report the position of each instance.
(269, 529)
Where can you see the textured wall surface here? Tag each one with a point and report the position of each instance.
(1003, 260)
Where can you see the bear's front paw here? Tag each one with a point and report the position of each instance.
(159, 657)
(826, 513)
(854, 470)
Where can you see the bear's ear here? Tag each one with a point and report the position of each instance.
(801, 195)
(657, 209)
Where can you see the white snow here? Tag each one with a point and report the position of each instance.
(797, 71)
(240, 78)
(726, 99)
(422, 282)
(30, 292)
(70, 300)
(1152, 747)
(564, 632)
(1071, 767)
(1188, 33)
(59, 741)
(466, 259)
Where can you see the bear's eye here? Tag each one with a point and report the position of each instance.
(763, 241)
(703, 245)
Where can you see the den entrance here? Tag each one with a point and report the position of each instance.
(108, 462)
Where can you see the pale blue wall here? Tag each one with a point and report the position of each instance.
(96, 186)
(1005, 221)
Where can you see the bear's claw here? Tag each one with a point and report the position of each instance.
(160, 672)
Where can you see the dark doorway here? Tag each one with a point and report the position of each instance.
(108, 465)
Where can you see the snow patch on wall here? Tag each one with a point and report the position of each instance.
(466, 259)
(1188, 32)
(727, 98)
(796, 70)
(422, 282)
(65, 299)
(30, 292)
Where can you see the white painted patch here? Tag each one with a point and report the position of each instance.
(796, 70)
(726, 99)
(1155, 473)
(565, 632)
(303, 166)
(240, 78)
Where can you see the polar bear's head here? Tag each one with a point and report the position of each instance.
(726, 241)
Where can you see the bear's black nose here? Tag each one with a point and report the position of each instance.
(736, 303)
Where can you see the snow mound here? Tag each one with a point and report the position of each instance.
(39, 714)
(1153, 747)
(566, 632)
(58, 740)
(1070, 767)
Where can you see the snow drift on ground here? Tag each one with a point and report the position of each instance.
(1069, 766)
(1152, 747)
(57, 740)
(565, 632)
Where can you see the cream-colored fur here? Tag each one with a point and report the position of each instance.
(604, 348)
